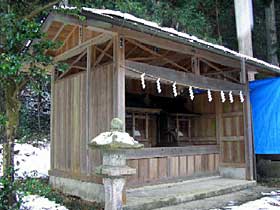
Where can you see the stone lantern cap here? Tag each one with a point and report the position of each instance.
(115, 139)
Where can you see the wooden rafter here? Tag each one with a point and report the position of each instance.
(100, 50)
(219, 70)
(98, 60)
(156, 54)
(79, 58)
(223, 72)
(79, 67)
(68, 37)
(65, 73)
(161, 62)
(131, 51)
(81, 47)
(58, 32)
(143, 58)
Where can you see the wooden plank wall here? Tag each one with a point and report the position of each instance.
(69, 139)
(69, 124)
(203, 128)
(101, 107)
(161, 169)
(232, 134)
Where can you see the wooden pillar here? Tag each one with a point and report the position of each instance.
(219, 129)
(52, 117)
(119, 78)
(195, 65)
(248, 130)
(88, 79)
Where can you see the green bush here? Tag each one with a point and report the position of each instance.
(35, 186)
(7, 188)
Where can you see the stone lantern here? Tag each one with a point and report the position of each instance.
(114, 169)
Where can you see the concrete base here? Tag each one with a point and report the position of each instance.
(86, 190)
(158, 196)
(233, 173)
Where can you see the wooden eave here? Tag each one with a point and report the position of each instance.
(151, 36)
(194, 48)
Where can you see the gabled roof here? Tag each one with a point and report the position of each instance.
(130, 21)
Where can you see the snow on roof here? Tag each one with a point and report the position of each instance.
(172, 32)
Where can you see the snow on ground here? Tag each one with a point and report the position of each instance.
(35, 202)
(29, 159)
(270, 202)
(33, 162)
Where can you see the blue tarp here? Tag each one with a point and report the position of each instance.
(265, 102)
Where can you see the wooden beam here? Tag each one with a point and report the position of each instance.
(177, 47)
(222, 72)
(130, 51)
(173, 57)
(107, 54)
(156, 54)
(65, 73)
(219, 124)
(219, 70)
(79, 58)
(81, 47)
(52, 126)
(171, 151)
(182, 78)
(195, 65)
(79, 67)
(248, 130)
(103, 52)
(58, 32)
(143, 58)
(88, 93)
(119, 78)
(47, 23)
(98, 26)
(67, 38)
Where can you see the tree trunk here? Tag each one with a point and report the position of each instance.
(271, 33)
(12, 105)
(243, 18)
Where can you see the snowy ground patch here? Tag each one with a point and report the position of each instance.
(33, 162)
(271, 201)
(30, 159)
(35, 202)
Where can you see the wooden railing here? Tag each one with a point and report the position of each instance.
(164, 164)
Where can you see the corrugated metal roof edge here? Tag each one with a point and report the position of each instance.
(156, 32)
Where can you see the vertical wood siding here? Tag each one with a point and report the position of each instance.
(160, 169)
(232, 133)
(69, 124)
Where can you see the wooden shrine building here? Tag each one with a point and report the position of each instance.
(198, 126)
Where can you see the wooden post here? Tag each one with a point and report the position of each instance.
(195, 65)
(218, 109)
(248, 131)
(88, 77)
(52, 117)
(119, 78)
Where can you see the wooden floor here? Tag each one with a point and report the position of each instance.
(152, 197)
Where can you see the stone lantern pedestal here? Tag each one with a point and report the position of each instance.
(114, 169)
